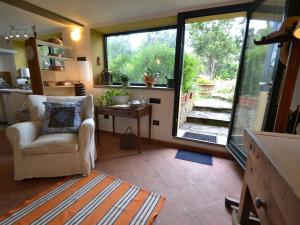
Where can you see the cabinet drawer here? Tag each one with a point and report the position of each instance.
(127, 113)
(261, 179)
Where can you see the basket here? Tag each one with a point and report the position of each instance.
(128, 140)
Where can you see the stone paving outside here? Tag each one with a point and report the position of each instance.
(212, 103)
(223, 116)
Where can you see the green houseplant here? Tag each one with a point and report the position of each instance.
(125, 80)
(113, 96)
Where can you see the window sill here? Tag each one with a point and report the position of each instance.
(135, 87)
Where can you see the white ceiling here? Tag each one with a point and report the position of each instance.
(12, 16)
(104, 12)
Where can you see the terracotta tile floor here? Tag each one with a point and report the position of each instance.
(195, 192)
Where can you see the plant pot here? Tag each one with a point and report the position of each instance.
(206, 89)
(125, 84)
(119, 100)
(149, 85)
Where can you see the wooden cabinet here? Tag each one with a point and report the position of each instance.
(272, 179)
(40, 74)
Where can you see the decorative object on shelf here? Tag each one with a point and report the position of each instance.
(113, 96)
(49, 83)
(106, 78)
(288, 34)
(149, 80)
(17, 32)
(136, 103)
(56, 68)
(124, 80)
(55, 40)
(128, 140)
(77, 71)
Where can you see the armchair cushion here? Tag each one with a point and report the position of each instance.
(61, 117)
(37, 108)
(52, 144)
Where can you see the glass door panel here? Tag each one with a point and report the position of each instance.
(211, 53)
(256, 76)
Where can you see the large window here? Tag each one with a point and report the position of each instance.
(133, 54)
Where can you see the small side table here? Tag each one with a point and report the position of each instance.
(136, 113)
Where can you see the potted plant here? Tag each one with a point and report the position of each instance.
(206, 86)
(149, 78)
(124, 80)
(113, 96)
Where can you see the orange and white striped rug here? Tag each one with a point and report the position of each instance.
(94, 199)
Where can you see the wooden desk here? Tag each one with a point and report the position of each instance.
(136, 113)
(272, 179)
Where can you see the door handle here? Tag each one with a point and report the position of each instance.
(270, 84)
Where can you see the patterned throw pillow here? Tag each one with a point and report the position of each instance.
(61, 117)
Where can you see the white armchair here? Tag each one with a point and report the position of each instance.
(53, 155)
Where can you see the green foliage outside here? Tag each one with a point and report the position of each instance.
(191, 68)
(203, 80)
(255, 59)
(215, 54)
(155, 56)
(218, 50)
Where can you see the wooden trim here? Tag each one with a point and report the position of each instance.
(216, 153)
(288, 87)
(27, 6)
(32, 56)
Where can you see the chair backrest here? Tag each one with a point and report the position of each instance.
(37, 108)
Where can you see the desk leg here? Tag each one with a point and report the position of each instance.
(113, 124)
(245, 206)
(150, 123)
(139, 135)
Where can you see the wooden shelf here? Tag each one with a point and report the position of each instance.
(45, 43)
(56, 57)
(67, 86)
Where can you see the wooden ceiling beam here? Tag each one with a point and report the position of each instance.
(27, 6)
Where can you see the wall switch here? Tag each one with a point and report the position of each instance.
(154, 100)
(106, 116)
(156, 122)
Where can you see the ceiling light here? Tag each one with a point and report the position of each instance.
(17, 32)
(76, 34)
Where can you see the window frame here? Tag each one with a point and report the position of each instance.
(144, 30)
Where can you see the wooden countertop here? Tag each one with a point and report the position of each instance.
(283, 150)
(15, 90)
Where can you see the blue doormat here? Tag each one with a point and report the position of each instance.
(194, 157)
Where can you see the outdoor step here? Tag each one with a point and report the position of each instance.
(205, 129)
(212, 103)
(209, 118)
(212, 109)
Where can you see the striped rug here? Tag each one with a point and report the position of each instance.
(94, 199)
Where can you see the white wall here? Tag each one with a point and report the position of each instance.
(162, 112)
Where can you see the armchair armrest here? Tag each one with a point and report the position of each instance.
(87, 140)
(21, 134)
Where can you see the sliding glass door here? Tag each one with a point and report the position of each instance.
(257, 72)
(208, 49)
